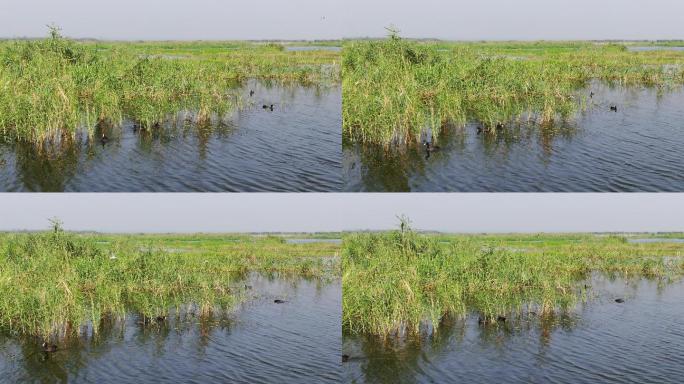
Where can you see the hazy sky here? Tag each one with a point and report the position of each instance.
(174, 19)
(520, 19)
(502, 212)
(310, 19)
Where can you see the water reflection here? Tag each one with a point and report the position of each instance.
(298, 341)
(634, 149)
(295, 147)
(582, 345)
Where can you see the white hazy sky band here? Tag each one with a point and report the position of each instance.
(303, 19)
(519, 19)
(174, 19)
(307, 212)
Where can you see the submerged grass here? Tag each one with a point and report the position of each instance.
(394, 283)
(53, 87)
(53, 283)
(394, 90)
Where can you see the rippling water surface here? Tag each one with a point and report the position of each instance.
(636, 149)
(295, 147)
(263, 342)
(638, 341)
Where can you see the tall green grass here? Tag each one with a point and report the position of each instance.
(397, 282)
(53, 87)
(395, 89)
(55, 282)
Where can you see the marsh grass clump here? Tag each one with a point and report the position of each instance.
(53, 87)
(394, 90)
(396, 282)
(54, 283)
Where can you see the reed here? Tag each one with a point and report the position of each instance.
(54, 283)
(396, 91)
(53, 87)
(401, 282)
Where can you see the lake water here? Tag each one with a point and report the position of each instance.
(638, 341)
(653, 48)
(656, 240)
(637, 148)
(309, 241)
(295, 48)
(262, 342)
(295, 147)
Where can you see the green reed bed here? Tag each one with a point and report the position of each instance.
(53, 283)
(395, 89)
(396, 282)
(53, 87)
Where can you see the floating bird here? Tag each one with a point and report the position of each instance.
(613, 108)
(267, 107)
(135, 127)
(479, 130)
(49, 347)
(591, 94)
(620, 301)
(499, 126)
(104, 139)
(278, 301)
(431, 148)
(251, 92)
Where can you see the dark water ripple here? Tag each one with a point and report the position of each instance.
(636, 149)
(297, 342)
(640, 341)
(297, 147)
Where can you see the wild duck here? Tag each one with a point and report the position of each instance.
(431, 148)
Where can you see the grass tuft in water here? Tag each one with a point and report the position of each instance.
(54, 283)
(396, 282)
(52, 87)
(396, 90)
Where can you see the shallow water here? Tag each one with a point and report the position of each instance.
(295, 147)
(636, 149)
(656, 240)
(263, 342)
(295, 48)
(638, 341)
(308, 241)
(653, 48)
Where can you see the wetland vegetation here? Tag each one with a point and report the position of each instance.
(399, 91)
(404, 283)
(53, 87)
(219, 116)
(58, 284)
